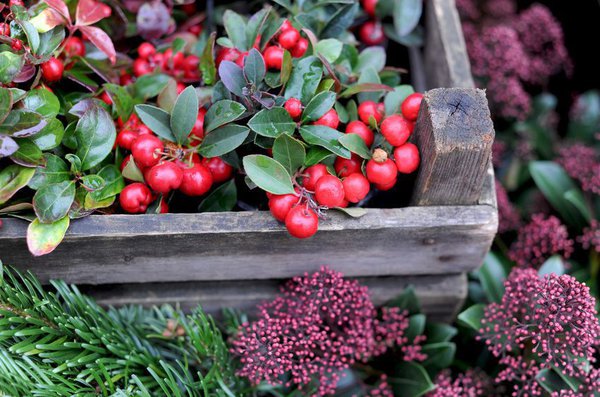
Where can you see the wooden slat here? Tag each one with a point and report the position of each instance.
(446, 60)
(454, 134)
(252, 245)
(439, 296)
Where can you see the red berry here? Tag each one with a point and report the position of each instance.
(135, 198)
(191, 63)
(300, 48)
(178, 61)
(289, 38)
(362, 130)
(195, 30)
(164, 177)
(220, 170)
(17, 45)
(126, 137)
(145, 50)
(4, 29)
(241, 59)
(387, 186)
(411, 105)
(344, 167)
(164, 207)
(104, 97)
(371, 33)
(356, 187)
(280, 205)
(74, 47)
(179, 87)
(273, 57)
(293, 107)
(407, 158)
(125, 79)
(329, 191)
(329, 119)
(197, 180)
(369, 109)
(52, 70)
(286, 25)
(380, 169)
(301, 222)
(369, 6)
(141, 67)
(395, 129)
(197, 133)
(313, 174)
(146, 150)
(227, 54)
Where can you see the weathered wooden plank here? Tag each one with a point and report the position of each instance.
(440, 296)
(251, 245)
(446, 60)
(454, 133)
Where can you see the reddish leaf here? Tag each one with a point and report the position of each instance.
(91, 11)
(25, 74)
(47, 20)
(61, 7)
(100, 40)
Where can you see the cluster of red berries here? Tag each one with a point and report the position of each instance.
(165, 166)
(371, 32)
(319, 189)
(288, 38)
(182, 67)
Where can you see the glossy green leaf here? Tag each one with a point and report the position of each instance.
(254, 67)
(235, 26)
(95, 133)
(410, 380)
(132, 172)
(416, 326)
(223, 140)
(369, 76)
(256, 24)
(304, 79)
(33, 37)
(50, 40)
(315, 155)
(575, 197)
(340, 21)
(232, 76)
(370, 57)
(286, 67)
(472, 316)
(150, 85)
(42, 101)
(407, 14)
(89, 203)
(207, 62)
(157, 120)
(272, 122)
(289, 152)
(407, 300)
(43, 238)
(318, 106)
(28, 154)
(50, 136)
(92, 183)
(268, 174)
(439, 332)
(330, 49)
(222, 112)
(184, 114)
(364, 87)
(393, 100)
(10, 66)
(12, 179)
(113, 183)
(54, 170)
(355, 144)
(52, 202)
(439, 355)
(6, 102)
(22, 123)
(325, 137)
(221, 199)
(122, 100)
(75, 162)
(492, 276)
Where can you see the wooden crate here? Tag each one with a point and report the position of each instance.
(239, 258)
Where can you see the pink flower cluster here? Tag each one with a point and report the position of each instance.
(508, 216)
(520, 373)
(381, 389)
(509, 50)
(471, 383)
(319, 325)
(551, 320)
(582, 164)
(591, 236)
(540, 239)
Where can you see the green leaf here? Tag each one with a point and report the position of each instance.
(6, 102)
(222, 112)
(439, 332)
(22, 123)
(289, 152)
(472, 316)
(318, 106)
(132, 172)
(364, 87)
(354, 212)
(50, 41)
(28, 154)
(235, 26)
(223, 140)
(50, 136)
(10, 66)
(33, 37)
(551, 381)
(355, 144)
(410, 380)
(370, 57)
(157, 120)
(221, 199)
(576, 198)
(43, 238)
(150, 85)
(113, 183)
(12, 179)
(55, 170)
(492, 276)
(272, 122)
(254, 67)
(286, 67)
(184, 114)
(326, 137)
(330, 49)
(90, 204)
(315, 155)
(122, 101)
(43, 102)
(256, 24)
(75, 162)
(415, 38)
(369, 76)
(207, 62)
(232, 77)
(439, 355)
(95, 133)
(553, 181)
(407, 14)
(268, 174)
(167, 97)
(92, 182)
(52, 202)
(416, 326)
(584, 122)
(340, 21)
(304, 79)
(407, 300)
(554, 265)
(393, 100)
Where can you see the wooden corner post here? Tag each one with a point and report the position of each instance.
(454, 134)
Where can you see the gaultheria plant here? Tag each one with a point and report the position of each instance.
(320, 325)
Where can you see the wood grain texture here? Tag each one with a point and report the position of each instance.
(454, 133)
(252, 245)
(446, 60)
(440, 296)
